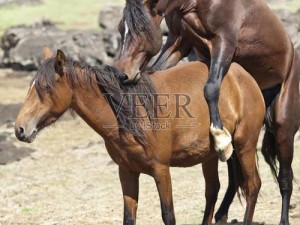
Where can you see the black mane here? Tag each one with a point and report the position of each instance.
(136, 18)
(122, 99)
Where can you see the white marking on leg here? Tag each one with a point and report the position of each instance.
(222, 142)
(222, 138)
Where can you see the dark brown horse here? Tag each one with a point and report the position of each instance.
(181, 137)
(242, 31)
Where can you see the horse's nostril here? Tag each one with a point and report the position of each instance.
(21, 130)
(20, 133)
(125, 77)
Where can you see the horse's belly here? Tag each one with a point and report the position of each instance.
(266, 71)
(192, 155)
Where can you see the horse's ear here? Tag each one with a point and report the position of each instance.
(60, 60)
(47, 53)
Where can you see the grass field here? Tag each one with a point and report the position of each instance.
(75, 14)
(69, 14)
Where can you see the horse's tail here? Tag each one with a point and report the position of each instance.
(238, 175)
(269, 152)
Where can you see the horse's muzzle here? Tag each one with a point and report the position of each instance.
(21, 135)
(127, 81)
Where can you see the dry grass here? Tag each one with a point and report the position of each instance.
(70, 179)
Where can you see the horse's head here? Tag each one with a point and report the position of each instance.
(48, 98)
(141, 37)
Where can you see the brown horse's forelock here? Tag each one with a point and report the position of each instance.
(122, 99)
(45, 79)
(136, 18)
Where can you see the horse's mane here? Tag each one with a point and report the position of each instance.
(122, 99)
(136, 18)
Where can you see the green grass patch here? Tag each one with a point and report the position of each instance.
(28, 209)
(292, 6)
(69, 14)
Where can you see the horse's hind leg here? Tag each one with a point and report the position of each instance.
(212, 187)
(287, 111)
(221, 215)
(245, 140)
(130, 188)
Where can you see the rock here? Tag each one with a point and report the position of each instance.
(84, 45)
(111, 43)
(110, 16)
(22, 46)
(19, 2)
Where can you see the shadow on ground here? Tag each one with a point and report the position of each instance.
(9, 153)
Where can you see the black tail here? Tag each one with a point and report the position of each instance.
(269, 152)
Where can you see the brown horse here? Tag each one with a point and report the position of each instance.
(181, 137)
(243, 31)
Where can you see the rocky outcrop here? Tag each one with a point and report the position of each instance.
(22, 46)
(19, 2)
(109, 17)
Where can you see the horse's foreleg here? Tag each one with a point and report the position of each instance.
(212, 187)
(162, 177)
(221, 56)
(173, 51)
(287, 111)
(130, 188)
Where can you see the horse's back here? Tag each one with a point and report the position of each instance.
(240, 103)
(264, 48)
(239, 94)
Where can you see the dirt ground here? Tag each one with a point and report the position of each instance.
(66, 177)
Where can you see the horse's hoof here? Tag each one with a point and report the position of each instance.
(222, 140)
(222, 221)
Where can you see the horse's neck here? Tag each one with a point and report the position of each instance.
(91, 106)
